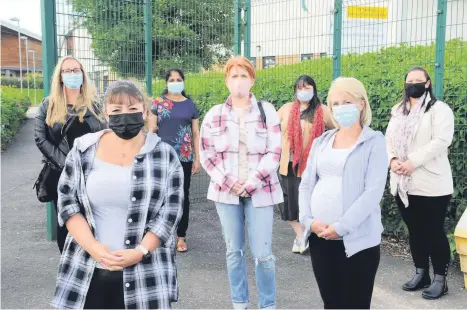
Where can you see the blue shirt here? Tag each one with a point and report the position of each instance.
(174, 119)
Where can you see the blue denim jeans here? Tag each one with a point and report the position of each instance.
(259, 225)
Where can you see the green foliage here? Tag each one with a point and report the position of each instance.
(382, 73)
(16, 82)
(182, 35)
(14, 106)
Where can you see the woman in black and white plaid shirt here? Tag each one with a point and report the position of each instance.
(120, 196)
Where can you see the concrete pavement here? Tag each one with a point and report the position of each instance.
(29, 262)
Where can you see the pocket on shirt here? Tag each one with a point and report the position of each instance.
(259, 140)
(434, 166)
(220, 139)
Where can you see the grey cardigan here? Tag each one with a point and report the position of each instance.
(364, 180)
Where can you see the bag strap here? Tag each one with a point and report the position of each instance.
(68, 124)
(261, 110)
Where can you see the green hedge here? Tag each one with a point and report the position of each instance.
(382, 73)
(16, 82)
(14, 107)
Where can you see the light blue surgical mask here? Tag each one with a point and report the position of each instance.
(345, 115)
(72, 81)
(304, 95)
(175, 88)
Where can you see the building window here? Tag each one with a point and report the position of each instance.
(306, 57)
(106, 80)
(97, 81)
(253, 61)
(269, 62)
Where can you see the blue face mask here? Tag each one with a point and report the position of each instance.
(345, 115)
(73, 81)
(304, 95)
(175, 88)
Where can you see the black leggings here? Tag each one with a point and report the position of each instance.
(105, 290)
(62, 232)
(183, 225)
(425, 218)
(344, 282)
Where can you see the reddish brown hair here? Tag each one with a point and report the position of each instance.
(240, 61)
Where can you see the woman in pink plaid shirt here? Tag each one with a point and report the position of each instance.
(240, 148)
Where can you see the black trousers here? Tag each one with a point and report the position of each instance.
(105, 290)
(425, 218)
(183, 225)
(344, 282)
(62, 232)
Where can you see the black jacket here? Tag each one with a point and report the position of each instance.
(49, 139)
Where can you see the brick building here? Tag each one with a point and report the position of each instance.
(10, 65)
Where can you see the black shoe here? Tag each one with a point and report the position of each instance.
(420, 280)
(437, 289)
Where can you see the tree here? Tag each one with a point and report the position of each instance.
(189, 34)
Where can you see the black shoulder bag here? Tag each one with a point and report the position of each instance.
(47, 181)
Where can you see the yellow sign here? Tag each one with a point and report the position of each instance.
(367, 12)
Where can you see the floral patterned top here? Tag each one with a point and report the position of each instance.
(174, 124)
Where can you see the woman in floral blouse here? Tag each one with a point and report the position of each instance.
(176, 121)
(240, 150)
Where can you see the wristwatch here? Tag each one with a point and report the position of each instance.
(143, 250)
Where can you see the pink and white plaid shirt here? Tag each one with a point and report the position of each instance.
(219, 152)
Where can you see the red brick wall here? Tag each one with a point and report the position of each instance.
(10, 51)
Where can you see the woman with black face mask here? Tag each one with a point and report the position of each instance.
(120, 196)
(418, 137)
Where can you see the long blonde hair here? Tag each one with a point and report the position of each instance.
(57, 110)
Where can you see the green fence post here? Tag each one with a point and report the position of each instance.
(148, 45)
(51, 221)
(440, 48)
(49, 42)
(49, 59)
(337, 39)
(237, 28)
(247, 29)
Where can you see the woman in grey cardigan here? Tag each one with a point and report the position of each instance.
(339, 198)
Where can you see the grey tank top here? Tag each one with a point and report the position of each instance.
(109, 187)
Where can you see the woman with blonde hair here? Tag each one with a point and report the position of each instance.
(68, 113)
(240, 148)
(339, 198)
(120, 195)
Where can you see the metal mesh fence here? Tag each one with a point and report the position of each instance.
(376, 41)
(107, 36)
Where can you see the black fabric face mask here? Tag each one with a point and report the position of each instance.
(126, 126)
(415, 90)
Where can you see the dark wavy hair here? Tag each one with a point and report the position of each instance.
(167, 77)
(309, 112)
(406, 98)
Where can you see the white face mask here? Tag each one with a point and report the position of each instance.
(304, 95)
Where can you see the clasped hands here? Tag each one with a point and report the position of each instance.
(402, 168)
(324, 231)
(115, 260)
(239, 189)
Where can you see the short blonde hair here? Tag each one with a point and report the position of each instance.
(240, 61)
(354, 88)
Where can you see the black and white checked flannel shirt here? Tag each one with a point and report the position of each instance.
(156, 206)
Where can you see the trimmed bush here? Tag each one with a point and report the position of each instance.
(382, 73)
(16, 82)
(14, 107)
